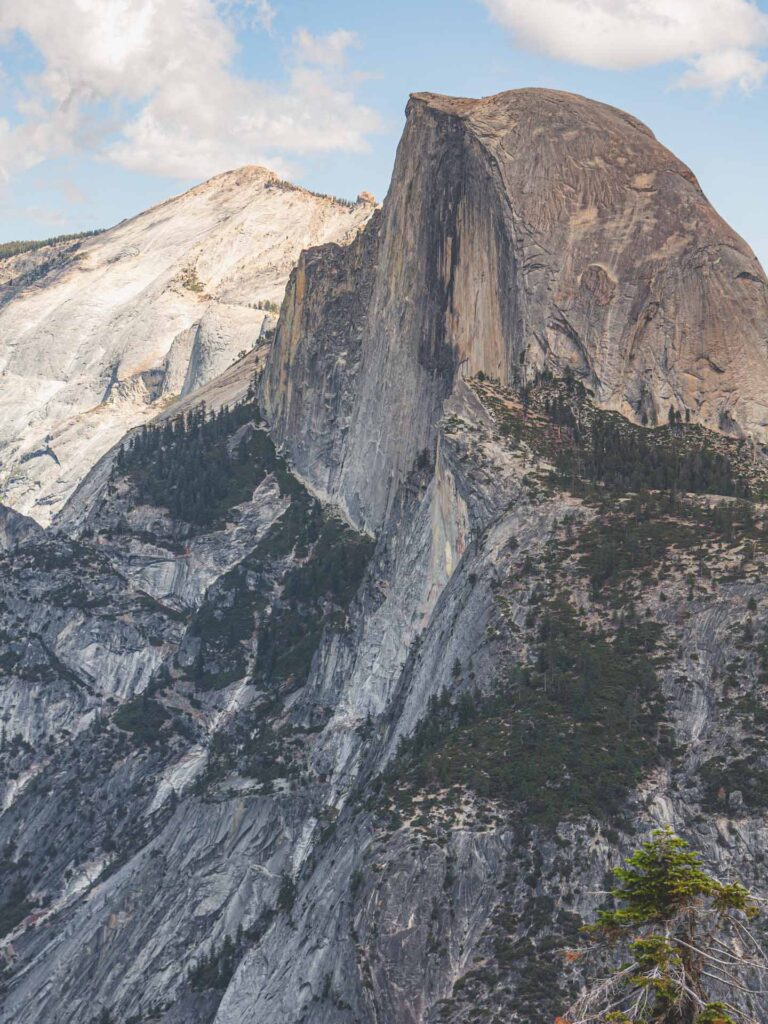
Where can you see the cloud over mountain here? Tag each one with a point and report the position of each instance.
(152, 87)
(720, 40)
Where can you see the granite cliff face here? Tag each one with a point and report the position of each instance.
(97, 335)
(337, 707)
(524, 231)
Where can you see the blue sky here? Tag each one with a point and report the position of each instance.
(107, 106)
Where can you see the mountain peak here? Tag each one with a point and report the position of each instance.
(536, 103)
(528, 231)
(139, 315)
(259, 765)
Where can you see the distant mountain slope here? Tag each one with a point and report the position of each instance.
(94, 333)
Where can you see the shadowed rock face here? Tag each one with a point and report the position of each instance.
(526, 230)
(15, 528)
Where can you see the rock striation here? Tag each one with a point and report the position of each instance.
(97, 335)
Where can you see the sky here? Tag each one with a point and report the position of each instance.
(109, 106)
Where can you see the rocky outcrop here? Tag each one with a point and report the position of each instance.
(97, 335)
(93, 496)
(74, 637)
(527, 230)
(269, 767)
(15, 528)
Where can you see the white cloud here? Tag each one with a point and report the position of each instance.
(253, 12)
(327, 51)
(265, 14)
(719, 39)
(717, 71)
(149, 84)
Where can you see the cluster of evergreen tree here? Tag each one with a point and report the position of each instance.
(685, 937)
(144, 717)
(625, 459)
(288, 186)
(315, 593)
(216, 970)
(186, 466)
(587, 713)
(17, 247)
(15, 908)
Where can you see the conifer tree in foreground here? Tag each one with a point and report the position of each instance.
(692, 955)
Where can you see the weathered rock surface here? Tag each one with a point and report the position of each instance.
(75, 636)
(15, 528)
(96, 335)
(263, 835)
(363, 778)
(527, 230)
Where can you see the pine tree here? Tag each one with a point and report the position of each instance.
(687, 937)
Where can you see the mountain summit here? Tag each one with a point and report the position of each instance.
(529, 230)
(98, 335)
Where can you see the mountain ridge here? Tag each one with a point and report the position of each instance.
(140, 313)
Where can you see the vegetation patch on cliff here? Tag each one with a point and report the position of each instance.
(566, 735)
(590, 447)
(298, 580)
(8, 249)
(199, 466)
